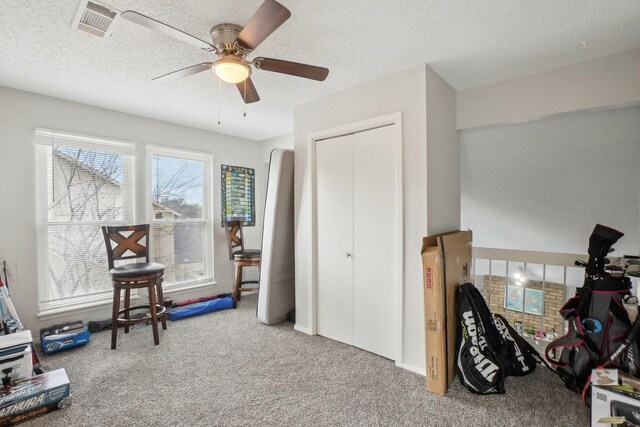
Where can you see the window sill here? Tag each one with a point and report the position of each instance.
(186, 287)
(105, 302)
(78, 307)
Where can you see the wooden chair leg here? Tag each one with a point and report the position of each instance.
(127, 304)
(161, 302)
(240, 271)
(236, 281)
(154, 314)
(114, 317)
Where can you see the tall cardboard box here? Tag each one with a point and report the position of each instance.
(446, 262)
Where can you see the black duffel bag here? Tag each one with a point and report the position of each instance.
(488, 349)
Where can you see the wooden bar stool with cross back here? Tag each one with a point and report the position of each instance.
(240, 256)
(123, 242)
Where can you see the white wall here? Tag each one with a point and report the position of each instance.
(406, 93)
(543, 185)
(604, 82)
(21, 112)
(443, 156)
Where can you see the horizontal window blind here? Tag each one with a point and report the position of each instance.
(82, 184)
(180, 198)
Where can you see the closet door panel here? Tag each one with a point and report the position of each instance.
(334, 201)
(374, 237)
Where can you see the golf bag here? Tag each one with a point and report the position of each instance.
(597, 320)
(488, 349)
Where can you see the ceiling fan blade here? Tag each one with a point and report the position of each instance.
(248, 93)
(264, 22)
(292, 68)
(167, 30)
(184, 72)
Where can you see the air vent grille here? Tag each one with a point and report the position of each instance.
(94, 18)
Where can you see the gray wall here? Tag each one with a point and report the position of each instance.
(403, 92)
(543, 185)
(428, 106)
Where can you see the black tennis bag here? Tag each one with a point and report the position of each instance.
(520, 357)
(488, 349)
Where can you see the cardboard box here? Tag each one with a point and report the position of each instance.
(446, 262)
(616, 404)
(32, 397)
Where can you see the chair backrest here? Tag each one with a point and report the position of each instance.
(235, 238)
(124, 242)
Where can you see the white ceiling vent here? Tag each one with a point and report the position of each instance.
(94, 18)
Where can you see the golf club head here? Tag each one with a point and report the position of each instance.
(600, 242)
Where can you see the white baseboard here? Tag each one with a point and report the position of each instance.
(302, 329)
(417, 370)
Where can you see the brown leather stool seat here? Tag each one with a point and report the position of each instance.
(137, 269)
(247, 253)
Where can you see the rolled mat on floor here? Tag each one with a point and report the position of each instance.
(200, 308)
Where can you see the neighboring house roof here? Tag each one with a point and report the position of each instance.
(86, 167)
(165, 208)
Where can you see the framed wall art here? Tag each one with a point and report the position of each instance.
(514, 298)
(238, 194)
(533, 301)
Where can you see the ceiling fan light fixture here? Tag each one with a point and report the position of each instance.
(231, 69)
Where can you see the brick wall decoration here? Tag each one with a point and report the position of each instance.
(493, 291)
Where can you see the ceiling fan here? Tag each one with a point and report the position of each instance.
(233, 44)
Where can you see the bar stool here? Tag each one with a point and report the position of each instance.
(123, 242)
(240, 256)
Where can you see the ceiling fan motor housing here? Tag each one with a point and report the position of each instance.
(223, 38)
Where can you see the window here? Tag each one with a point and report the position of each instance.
(82, 183)
(180, 199)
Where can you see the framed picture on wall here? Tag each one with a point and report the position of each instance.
(533, 301)
(514, 298)
(238, 194)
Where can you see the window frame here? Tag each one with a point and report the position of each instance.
(44, 140)
(207, 210)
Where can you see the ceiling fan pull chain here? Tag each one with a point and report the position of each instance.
(244, 98)
(219, 98)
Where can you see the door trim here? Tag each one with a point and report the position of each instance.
(394, 119)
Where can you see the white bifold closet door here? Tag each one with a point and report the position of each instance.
(356, 239)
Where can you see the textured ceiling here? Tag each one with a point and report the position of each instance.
(469, 43)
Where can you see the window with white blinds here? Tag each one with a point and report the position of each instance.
(82, 184)
(180, 202)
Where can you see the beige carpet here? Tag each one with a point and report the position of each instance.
(228, 369)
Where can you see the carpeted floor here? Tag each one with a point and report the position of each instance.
(228, 369)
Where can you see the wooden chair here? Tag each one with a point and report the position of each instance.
(123, 242)
(240, 256)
